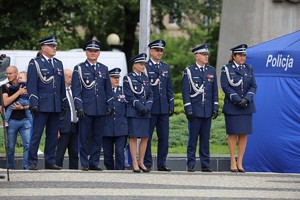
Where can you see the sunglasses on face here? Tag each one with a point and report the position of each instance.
(158, 50)
(52, 45)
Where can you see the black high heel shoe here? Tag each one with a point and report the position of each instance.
(144, 170)
(241, 170)
(234, 170)
(137, 170)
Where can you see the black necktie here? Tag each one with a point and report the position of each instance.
(240, 67)
(94, 67)
(74, 118)
(50, 61)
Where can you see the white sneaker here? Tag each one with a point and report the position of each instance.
(40, 152)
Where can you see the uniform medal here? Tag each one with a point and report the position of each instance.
(210, 77)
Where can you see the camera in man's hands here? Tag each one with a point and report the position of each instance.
(4, 63)
(2, 56)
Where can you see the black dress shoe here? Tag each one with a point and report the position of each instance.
(208, 169)
(85, 168)
(2, 177)
(97, 168)
(32, 167)
(144, 170)
(191, 169)
(52, 166)
(164, 168)
(241, 170)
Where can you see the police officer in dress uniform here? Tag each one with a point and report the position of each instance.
(68, 129)
(116, 128)
(47, 96)
(163, 104)
(239, 86)
(91, 89)
(200, 98)
(139, 96)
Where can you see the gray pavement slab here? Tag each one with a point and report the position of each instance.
(77, 184)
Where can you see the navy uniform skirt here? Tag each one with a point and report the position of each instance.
(138, 127)
(238, 124)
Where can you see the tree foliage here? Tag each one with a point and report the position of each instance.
(23, 23)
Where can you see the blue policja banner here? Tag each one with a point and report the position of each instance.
(274, 145)
(278, 57)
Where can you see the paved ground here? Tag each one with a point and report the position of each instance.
(67, 184)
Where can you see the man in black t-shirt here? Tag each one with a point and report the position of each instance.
(18, 122)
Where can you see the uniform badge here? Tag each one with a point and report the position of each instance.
(59, 71)
(100, 74)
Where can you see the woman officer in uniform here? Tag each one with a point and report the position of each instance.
(239, 86)
(139, 96)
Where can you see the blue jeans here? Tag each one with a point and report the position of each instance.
(18, 126)
(23, 102)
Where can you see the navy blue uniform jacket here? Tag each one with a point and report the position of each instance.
(201, 107)
(234, 94)
(49, 97)
(116, 124)
(138, 102)
(163, 95)
(96, 100)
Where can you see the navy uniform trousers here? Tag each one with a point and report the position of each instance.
(51, 121)
(161, 122)
(114, 144)
(199, 127)
(93, 125)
